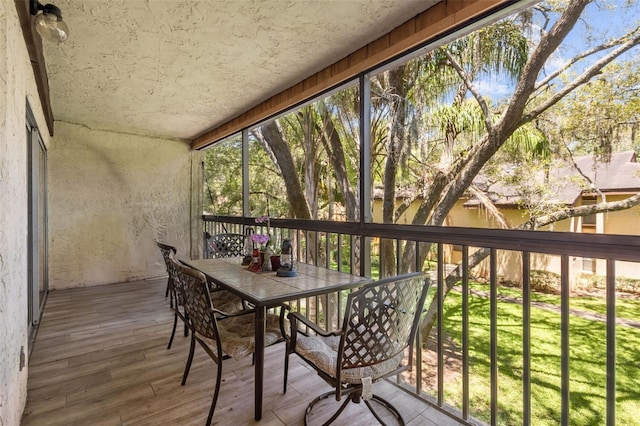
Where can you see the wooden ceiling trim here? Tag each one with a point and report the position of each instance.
(33, 42)
(442, 17)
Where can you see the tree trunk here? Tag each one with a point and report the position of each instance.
(396, 141)
(333, 145)
(295, 194)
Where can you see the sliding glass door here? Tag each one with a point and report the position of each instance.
(37, 237)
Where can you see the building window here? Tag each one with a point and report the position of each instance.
(590, 220)
(588, 265)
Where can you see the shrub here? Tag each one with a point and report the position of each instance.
(623, 284)
(544, 281)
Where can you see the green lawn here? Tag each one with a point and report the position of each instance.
(587, 361)
(626, 308)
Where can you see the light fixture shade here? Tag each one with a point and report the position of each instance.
(51, 27)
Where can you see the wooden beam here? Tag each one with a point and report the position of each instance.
(428, 25)
(33, 42)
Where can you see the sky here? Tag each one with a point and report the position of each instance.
(601, 20)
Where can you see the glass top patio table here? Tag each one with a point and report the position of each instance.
(265, 290)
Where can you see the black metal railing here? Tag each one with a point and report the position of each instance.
(458, 259)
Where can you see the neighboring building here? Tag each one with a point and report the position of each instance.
(616, 180)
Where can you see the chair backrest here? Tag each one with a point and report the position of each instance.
(166, 249)
(381, 320)
(226, 245)
(193, 288)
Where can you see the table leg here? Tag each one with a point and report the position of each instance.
(259, 359)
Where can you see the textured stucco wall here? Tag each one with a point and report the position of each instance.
(17, 85)
(178, 67)
(110, 196)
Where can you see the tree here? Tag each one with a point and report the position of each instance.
(434, 130)
(531, 99)
(222, 195)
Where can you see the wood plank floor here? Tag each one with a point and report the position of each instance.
(100, 358)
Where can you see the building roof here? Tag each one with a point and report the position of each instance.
(621, 174)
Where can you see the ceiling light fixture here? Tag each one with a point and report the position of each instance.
(49, 23)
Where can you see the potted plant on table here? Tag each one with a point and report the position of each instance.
(263, 256)
(259, 260)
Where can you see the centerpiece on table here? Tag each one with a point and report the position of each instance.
(261, 255)
(287, 266)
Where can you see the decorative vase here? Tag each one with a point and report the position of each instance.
(266, 258)
(256, 261)
(275, 262)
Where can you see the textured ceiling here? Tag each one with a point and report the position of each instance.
(174, 69)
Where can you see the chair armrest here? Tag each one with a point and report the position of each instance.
(294, 317)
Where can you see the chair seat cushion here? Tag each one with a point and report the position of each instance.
(226, 301)
(237, 334)
(323, 353)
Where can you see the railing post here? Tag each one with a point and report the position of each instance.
(327, 250)
(611, 342)
(365, 256)
(465, 332)
(205, 252)
(526, 338)
(493, 332)
(564, 339)
(339, 252)
(440, 296)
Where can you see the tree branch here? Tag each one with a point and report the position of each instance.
(586, 210)
(489, 206)
(511, 118)
(580, 80)
(474, 91)
(581, 56)
(584, 176)
(548, 44)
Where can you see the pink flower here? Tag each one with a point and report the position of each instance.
(262, 219)
(259, 238)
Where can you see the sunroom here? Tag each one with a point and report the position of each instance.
(379, 138)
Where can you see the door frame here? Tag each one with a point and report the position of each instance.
(37, 241)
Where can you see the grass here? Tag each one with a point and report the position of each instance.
(587, 362)
(627, 308)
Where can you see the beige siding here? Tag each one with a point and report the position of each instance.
(626, 222)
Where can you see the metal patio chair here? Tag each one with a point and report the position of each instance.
(165, 249)
(178, 312)
(380, 323)
(225, 245)
(221, 334)
(225, 300)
